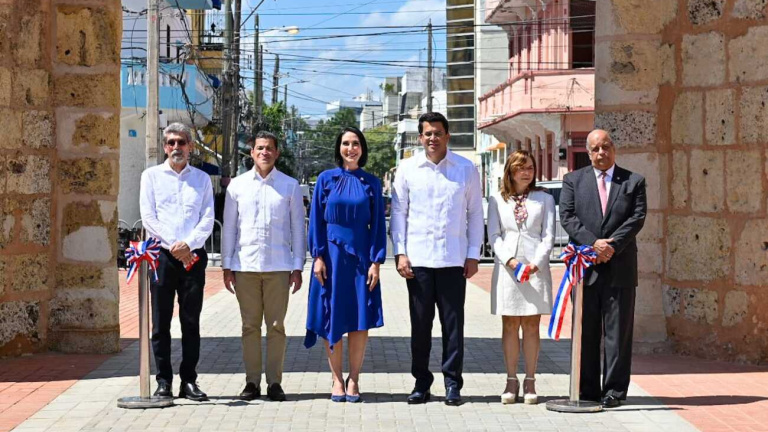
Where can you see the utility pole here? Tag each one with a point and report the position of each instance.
(257, 73)
(285, 96)
(236, 92)
(152, 152)
(429, 66)
(227, 93)
(260, 79)
(276, 79)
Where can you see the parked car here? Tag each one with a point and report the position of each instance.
(554, 187)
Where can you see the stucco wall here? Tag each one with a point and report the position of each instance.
(59, 109)
(682, 86)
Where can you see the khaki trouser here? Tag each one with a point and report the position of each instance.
(263, 296)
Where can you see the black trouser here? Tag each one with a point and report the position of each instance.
(446, 288)
(608, 311)
(172, 278)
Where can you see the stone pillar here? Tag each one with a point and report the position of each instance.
(682, 87)
(60, 106)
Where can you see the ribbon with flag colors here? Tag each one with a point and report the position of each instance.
(148, 250)
(522, 272)
(577, 260)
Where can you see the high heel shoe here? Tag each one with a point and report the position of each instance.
(530, 398)
(351, 398)
(339, 398)
(509, 397)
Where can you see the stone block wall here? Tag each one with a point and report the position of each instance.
(59, 111)
(693, 75)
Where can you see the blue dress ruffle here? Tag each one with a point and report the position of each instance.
(347, 228)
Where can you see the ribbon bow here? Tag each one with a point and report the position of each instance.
(148, 250)
(577, 260)
(522, 272)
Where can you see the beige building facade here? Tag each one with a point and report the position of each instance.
(60, 116)
(682, 86)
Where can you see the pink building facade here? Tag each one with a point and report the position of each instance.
(546, 105)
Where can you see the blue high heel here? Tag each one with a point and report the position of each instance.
(339, 398)
(350, 398)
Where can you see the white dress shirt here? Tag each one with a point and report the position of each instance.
(608, 177)
(263, 227)
(177, 207)
(437, 211)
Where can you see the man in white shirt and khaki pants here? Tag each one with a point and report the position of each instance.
(263, 250)
(176, 202)
(437, 230)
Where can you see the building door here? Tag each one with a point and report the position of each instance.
(577, 151)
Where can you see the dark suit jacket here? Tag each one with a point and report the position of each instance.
(582, 219)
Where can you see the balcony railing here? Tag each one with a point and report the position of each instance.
(540, 91)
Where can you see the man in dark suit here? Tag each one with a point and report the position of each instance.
(603, 205)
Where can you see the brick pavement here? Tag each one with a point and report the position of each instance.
(89, 404)
(29, 383)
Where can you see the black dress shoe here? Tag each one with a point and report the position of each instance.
(275, 392)
(163, 390)
(610, 402)
(250, 392)
(191, 391)
(418, 397)
(452, 396)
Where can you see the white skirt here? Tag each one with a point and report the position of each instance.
(512, 298)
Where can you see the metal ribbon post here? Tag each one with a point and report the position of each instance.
(144, 400)
(573, 404)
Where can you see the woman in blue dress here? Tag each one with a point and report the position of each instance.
(347, 239)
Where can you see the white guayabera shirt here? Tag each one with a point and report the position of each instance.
(437, 211)
(177, 206)
(263, 227)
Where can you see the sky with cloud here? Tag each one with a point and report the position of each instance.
(344, 47)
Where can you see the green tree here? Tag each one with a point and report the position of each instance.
(320, 142)
(381, 150)
(274, 120)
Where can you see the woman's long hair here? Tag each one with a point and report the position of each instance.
(515, 161)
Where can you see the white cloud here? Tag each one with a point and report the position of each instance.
(413, 12)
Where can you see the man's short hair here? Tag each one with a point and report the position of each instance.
(431, 117)
(178, 128)
(262, 134)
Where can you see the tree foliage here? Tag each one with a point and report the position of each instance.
(381, 150)
(320, 142)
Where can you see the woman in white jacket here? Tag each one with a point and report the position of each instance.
(521, 229)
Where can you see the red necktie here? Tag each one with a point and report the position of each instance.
(602, 190)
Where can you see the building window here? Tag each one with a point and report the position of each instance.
(461, 55)
(461, 98)
(462, 141)
(466, 69)
(464, 41)
(459, 14)
(460, 84)
(461, 112)
(582, 31)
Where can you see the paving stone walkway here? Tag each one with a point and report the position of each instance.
(90, 404)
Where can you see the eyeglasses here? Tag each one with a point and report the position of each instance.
(180, 143)
(437, 135)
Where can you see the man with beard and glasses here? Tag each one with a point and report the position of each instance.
(177, 209)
